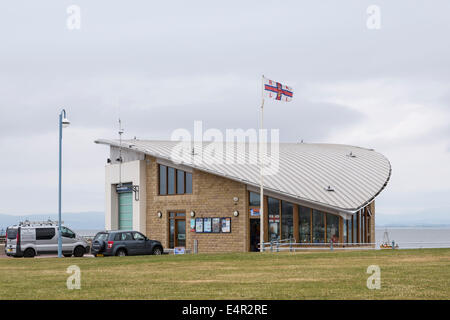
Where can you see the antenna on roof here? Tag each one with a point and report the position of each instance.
(120, 152)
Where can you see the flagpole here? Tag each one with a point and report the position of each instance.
(261, 179)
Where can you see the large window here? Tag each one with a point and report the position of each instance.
(274, 218)
(318, 227)
(180, 181)
(304, 224)
(162, 180)
(171, 181)
(332, 228)
(254, 199)
(287, 220)
(355, 228)
(350, 231)
(174, 181)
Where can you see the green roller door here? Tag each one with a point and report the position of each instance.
(126, 211)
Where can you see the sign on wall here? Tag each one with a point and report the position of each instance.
(216, 225)
(211, 225)
(226, 225)
(199, 225)
(207, 225)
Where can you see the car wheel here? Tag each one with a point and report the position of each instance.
(67, 255)
(79, 251)
(157, 251)
(29, 253)
(121, 253)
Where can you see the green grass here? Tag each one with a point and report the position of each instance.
(405, 274)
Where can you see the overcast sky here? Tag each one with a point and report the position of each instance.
(160, 65)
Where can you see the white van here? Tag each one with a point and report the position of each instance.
(29, 239)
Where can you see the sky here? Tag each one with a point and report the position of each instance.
(160, 66)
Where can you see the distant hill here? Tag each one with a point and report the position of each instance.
(77, 221)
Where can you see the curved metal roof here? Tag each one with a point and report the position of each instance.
(356, 175)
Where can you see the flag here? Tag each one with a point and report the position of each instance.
(277, 91)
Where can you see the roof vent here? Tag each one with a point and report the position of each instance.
(351, 155)
(329, 189)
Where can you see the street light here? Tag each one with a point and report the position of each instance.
(63, 123)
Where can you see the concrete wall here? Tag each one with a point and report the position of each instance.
(133, 172)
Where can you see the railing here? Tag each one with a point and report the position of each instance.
(292, 246)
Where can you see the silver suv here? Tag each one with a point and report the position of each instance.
(29, 239)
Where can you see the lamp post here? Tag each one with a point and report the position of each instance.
(63, 123)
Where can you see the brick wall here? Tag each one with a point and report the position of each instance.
(212, 196)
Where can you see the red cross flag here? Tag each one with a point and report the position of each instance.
(277, 91)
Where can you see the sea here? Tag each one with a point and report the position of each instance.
(404, 237)
(415, 237)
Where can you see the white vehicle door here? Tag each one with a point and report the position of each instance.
(45, 239)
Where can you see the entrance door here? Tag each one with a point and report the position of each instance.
(177, 229)
(125, 211)
(254, 235)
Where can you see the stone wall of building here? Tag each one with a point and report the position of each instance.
(212, 196)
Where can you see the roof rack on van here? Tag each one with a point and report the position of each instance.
(39, 223)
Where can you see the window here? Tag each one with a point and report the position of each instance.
(274, 218)
(332, 228)
(138, 236)
(11, 233)
(101, 236)
(45, 233)
(304, 224)
(345, 231)
(349, 235)
(355, 229)
(188, 182)
(171, 181)
(254, 199)
(318, 227)
(287, 220)
(65, 232)
(126, 236)
(162, 180)
(180, 181)
(174, 181)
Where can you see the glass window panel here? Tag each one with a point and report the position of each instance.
(287, 220)
(170, 181)
(180, 181)
(318, 227)
(162, 179)
(350, 226)
(332, 228)
(188, 182)
(274, 218)
(344, 231)
(254, 199)
(171, 233)
(355, 228)
(304, 224)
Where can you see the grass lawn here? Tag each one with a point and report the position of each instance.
(405, 274)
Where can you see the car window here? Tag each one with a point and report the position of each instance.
(126, 236)
(11, 233)
(101, 236)
(45, 233)
(66, 232)
(117, 236)
(138, 236)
